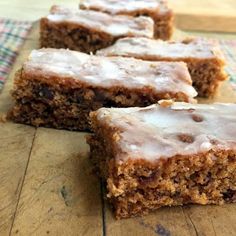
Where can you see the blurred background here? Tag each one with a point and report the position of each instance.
(213, 16)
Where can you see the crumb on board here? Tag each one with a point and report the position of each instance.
(165, 103)
(3, 118)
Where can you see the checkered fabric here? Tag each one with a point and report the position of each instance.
(12, 35)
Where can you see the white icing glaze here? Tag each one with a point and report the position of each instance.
(160, 50)
(121, 6)
(109, 72)
(153, 132)
(118, 25)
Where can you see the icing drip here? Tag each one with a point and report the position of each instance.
(161, 132)
(108, 72)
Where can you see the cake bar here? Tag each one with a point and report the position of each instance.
(204, 59)
(159, 11)
(165, 155)
(58, 87)
(163, 22)
(88, 31)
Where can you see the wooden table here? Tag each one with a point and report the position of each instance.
(207, 15)
(47, 186)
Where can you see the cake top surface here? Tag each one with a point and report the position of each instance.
(121, 6)
(158, 49)
(109, 72)
(117, 25)
(158, 132)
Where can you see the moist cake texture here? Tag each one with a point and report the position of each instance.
(165, 155)
(159, 11)
(88, 31)
(163, 22)
(58, 88)
(204, 59)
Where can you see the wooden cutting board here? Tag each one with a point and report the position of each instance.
(205, 15)
(47, 187)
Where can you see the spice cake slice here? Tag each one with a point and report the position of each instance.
(88, 31)
(164, 22)
(165, 155)
(204, 59)
(159, 11)
(58, 87)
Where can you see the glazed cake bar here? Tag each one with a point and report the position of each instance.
(166, 155)
(58, 87)
(204, 59)
(88, 31)
(159, 11)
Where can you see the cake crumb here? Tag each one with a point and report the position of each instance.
(165, 103)
(116, 137)
(3, 118)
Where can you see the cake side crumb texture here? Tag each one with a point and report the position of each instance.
(166, 155)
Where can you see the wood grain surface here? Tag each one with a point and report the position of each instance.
(60, 195)
(205, 15)
(47, 187)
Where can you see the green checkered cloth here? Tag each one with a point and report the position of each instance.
(12, 35)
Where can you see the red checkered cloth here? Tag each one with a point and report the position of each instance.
(12, 35)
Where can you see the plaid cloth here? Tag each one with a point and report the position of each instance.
(12, 35)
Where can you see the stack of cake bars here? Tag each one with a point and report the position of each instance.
(105, 68)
